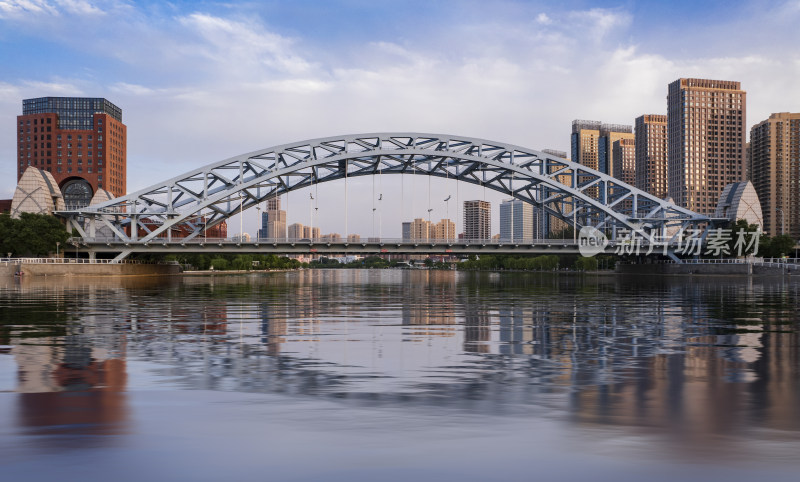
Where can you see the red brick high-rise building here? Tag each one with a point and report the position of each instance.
(80, 141)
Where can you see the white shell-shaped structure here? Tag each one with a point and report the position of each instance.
(101, 196)
(38, 193)
(739, 200)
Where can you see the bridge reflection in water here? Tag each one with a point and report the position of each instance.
(704, 361)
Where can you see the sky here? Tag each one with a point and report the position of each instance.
(199, 82)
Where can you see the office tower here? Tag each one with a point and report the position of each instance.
(444, 229)
(609, 134)
(651, 154)
(516, 220)
(477, 220)
(705, 140)
(624, 151)
(585, 136)
(80, 141)
(273, 220)
(775, 171)
(407, 230)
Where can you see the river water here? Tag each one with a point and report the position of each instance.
(400, 375)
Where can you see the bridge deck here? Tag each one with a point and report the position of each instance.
(317, 246)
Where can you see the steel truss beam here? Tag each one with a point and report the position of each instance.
(208, 195)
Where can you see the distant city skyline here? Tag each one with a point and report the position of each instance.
(200, 82)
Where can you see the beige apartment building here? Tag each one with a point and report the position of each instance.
(705, 140)
(609, 135)
(444, 229)
(592, 143)
(624, 151)
(651, 154)
(311, 232)
(774, 166)
(422, 229)
(584, 140)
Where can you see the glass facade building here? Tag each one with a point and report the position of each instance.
(74, 113)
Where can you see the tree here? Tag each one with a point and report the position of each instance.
(742, 232)
(776, 246)
(586, 264)
(219, 263)
(31, 234)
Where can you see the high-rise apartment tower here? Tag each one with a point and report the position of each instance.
(774, 165)
(651, 154)
(705, 140)
(624, 151)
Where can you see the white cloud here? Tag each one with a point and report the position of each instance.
(37, 88)
(599, 22)
(543, 19)
(79, 7)
(242, 46)
(19, 8)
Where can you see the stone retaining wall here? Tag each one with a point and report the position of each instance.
(80, 269)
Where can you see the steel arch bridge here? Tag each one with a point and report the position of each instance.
(206, 196)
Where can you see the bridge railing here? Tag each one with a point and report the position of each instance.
(311, 241)
(8, 261)
(754, 261)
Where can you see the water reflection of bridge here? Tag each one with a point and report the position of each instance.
(568, 344)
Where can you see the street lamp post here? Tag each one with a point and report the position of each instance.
(58, 245)
(258, 215)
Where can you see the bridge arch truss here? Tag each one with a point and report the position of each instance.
(206, 196)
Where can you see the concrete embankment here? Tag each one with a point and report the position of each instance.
(87, 269)
(707, 269)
